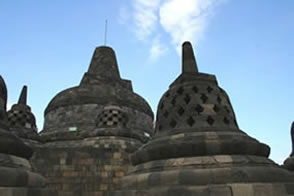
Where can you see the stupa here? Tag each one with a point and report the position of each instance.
(16, 175)
(90, 130)
(289, 162)
(22, 121)
(198, 148)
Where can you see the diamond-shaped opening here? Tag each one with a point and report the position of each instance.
(173, 123)
(226, 120)
(165, 114)
(209, 89)
(195, 89)
(187, 99)
(227, 110)
(199, 108)
(190, 121)
(216, 108)
(181, 111)
(173, 102)
(180, 91)
(219, 100)
(204, 98)
(210, 120)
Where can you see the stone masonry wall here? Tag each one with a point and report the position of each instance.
(84, 118)
(88, 167)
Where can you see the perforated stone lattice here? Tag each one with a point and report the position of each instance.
(192, 106)
(112, 118)
(21, 118)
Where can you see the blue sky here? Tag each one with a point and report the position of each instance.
(248, 45)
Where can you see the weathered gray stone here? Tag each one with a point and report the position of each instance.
(16, 175)
(91, 130)
(78, 107)
(198, 148)
(289, 162)
(21, 120)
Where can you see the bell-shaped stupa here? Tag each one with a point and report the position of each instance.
(77, 108)
(22, 121)
(90, 130)
(16, 175)
(198, 148)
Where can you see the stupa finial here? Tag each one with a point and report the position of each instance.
(104, 63)
(23, 96)
(3, 91)
(189, 64)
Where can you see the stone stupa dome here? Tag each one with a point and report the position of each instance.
(77, 108)
(198, 148)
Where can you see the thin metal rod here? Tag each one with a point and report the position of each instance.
(105, 35)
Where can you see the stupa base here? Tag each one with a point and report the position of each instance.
(219, 175)
(23, 191)
(236, 189)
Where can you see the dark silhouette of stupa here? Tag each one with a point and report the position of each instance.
(22, 121)
(98, 140)
(289, 162)
(16, 175)
(198, 148)
(90, 130)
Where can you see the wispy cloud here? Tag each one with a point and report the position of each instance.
(124, 15)
(181, 19)
(145, 17)
(157, 49)
(186, 19)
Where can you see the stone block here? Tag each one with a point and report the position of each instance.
(242, 189)
(154, 179)
(269, 190)
(223, 159)
(220, 191)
